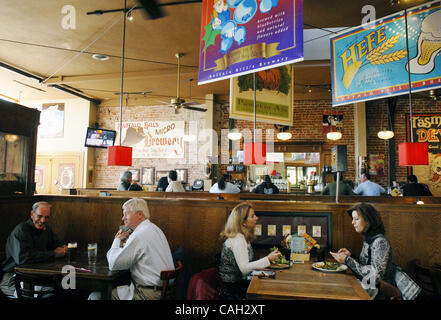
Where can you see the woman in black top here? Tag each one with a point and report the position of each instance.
(162, 184)
(267, 187)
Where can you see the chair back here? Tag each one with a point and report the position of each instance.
(205, 285)
(166, 276)
(29, 290)
(426, 280)
(390, 291)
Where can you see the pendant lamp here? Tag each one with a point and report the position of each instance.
(120, 155)
(254, 152)
(412, 153)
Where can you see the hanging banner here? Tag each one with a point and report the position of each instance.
(244, 36)
(153, 139)
(370, 62)
(426, 127)
(274, 96)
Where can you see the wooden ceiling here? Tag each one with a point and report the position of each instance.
(33, 39)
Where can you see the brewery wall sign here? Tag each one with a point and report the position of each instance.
(153, 139)
(370, 61)
(426, 127)
(244, 36)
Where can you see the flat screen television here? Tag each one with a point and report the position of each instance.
(99, 138)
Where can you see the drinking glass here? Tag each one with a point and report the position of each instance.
(72, 251)
(92, 251)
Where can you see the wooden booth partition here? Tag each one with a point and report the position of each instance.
(195, 224)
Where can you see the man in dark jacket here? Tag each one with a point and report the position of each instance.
(267, 187)
(30, 242)
(413, 188)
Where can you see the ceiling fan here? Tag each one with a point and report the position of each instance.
(178, 102)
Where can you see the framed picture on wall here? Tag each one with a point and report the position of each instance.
(135, 174)
(148, 176)
(160, 174)
(182, 175)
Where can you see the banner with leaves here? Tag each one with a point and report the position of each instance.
(244, 36)
(370, 61)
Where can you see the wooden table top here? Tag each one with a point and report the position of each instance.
(301, 281)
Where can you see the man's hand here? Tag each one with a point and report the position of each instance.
(60, 251)
(122, 235)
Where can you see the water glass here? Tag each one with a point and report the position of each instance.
(92, 251)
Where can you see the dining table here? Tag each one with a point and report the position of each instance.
(95, 277)
(302, 281)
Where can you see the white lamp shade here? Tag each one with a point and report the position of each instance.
(333, 135)
(234, 135)
(284, 135)
(385, 134)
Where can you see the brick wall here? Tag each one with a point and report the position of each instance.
(307, 126)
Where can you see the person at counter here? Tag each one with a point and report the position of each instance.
(331, 188)
(134, 186)
(413, 188)
(375, 260)
(367, 187)
(173, 185)
(223, 186)
(267, 187)
(125, 181)
(236, 261)
(30, 242)
(162, 184)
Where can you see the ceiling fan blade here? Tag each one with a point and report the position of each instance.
(163, 102)
(193, 108)
(151, 8)
(135, 92)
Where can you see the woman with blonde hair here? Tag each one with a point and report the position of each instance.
(236, 261)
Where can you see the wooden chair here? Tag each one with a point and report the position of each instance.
(390, 291)
(166, 276)
(424, 277)
(29, 292)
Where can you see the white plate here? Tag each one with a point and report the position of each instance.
(317, 265)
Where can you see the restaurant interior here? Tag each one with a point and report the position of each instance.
(71, 70)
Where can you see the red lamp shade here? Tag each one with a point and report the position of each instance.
(254, 153)
(119, 156)
(413, 153)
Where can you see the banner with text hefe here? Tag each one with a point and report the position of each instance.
(153, 139)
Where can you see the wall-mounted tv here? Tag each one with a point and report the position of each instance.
(99, 138)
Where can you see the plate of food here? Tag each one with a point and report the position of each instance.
(327, 266)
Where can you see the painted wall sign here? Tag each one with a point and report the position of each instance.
(370, 62)
(244, 36)
(153, 139)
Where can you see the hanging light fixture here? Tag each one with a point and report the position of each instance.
(333, 135)
(283, 134)
(234, 134)
(385, 133)
(412, 153)
(120, 155)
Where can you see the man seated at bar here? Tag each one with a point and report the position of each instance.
(331, 188)
(125, 181)
(237, 254)
(145, 253)
(30, 242)
(413, 188)
(173, 185)
(134, 186)
(162, 184)
(267, 187)
(367, 187)
(223, 186)
(375, 261)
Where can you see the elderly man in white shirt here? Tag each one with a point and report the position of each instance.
(145, 253)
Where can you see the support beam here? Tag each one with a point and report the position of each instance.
(360, 144)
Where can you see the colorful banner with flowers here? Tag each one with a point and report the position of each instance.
(244, 36)
(370, 62)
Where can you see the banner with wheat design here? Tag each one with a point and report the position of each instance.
(371, 61)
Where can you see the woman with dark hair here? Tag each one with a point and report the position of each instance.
(375, 260)
(223, 186)
(267, 187)
(237, 255)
